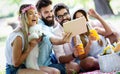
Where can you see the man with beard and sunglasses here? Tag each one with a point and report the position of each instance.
(49, 26)
(65, 53)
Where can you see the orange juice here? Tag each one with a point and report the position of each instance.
(80, 49)
(94, 33)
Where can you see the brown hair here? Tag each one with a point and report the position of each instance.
(82, 36)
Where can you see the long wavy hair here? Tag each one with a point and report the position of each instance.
(24, 24)
(83, 36)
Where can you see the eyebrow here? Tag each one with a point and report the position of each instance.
(62, 14)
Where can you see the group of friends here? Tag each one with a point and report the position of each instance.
(53, 44)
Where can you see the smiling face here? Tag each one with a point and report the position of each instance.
(47, 15)
(32, 17)
(63, 16)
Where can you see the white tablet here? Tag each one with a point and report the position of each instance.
(77, 26)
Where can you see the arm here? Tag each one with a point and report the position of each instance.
(66, 58)
(65, 39)
(61, 55)
(18, 57)
(108, 30)
(87, 50)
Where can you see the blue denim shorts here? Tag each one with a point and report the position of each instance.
(10, 69)
(60, 67)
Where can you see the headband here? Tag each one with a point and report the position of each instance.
(27, 8)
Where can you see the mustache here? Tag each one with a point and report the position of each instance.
(49, 17)
(64, 20)
(50, 22)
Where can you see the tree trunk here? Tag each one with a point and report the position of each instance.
(103, 7)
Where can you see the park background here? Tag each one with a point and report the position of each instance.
(108, 9)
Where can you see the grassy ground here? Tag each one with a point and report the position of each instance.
(5, 30)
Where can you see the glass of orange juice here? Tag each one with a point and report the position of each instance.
(94, 33)
(80, 49)
(79, 45)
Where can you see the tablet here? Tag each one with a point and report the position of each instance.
(77, 26)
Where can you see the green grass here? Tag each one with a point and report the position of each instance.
(2, 71)
(118, 73)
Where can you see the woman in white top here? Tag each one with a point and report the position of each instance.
(18, 48)
(93, 48)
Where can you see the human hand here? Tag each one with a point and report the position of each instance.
(94, 35)
(93, 13)
(33, 43)
(78, 51)
(67, 37)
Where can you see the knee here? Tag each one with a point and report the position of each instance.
(72, 66)
(56, 71)
(77, 68)
(88, 62)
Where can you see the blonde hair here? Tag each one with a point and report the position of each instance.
(24, 29)
(24, 23)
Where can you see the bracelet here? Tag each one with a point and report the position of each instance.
(73, 55)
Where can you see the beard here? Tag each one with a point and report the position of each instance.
(63, 21)
(48, 22)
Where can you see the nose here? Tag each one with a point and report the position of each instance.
(64, 17)
(50, 14)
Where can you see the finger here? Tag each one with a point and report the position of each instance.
(63, 33)
(67, 37)
(64, 37)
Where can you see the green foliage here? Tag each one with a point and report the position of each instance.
(2, 71)
(15, 2)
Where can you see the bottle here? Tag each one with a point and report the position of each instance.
(111, 48)
(79, 45)
(93, 32)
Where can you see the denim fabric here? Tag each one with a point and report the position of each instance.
(53, 58)
(45, 49)
(10, 69)
(60, 67)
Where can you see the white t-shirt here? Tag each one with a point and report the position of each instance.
(64, 49)
(96, 49)
(8, 47)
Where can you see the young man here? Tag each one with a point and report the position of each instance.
(44, 8)
(62, 15)
(53, 28)
(65, 53)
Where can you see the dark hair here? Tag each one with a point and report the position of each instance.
(87, 33)
(23, 6)
(81, 11)
(43, 3)
(60, 6)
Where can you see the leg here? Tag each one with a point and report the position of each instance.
(30, 71)
(60, 67)
(89, 64)
(72, 66)
(50, 70)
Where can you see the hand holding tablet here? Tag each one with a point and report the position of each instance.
(77, 26)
